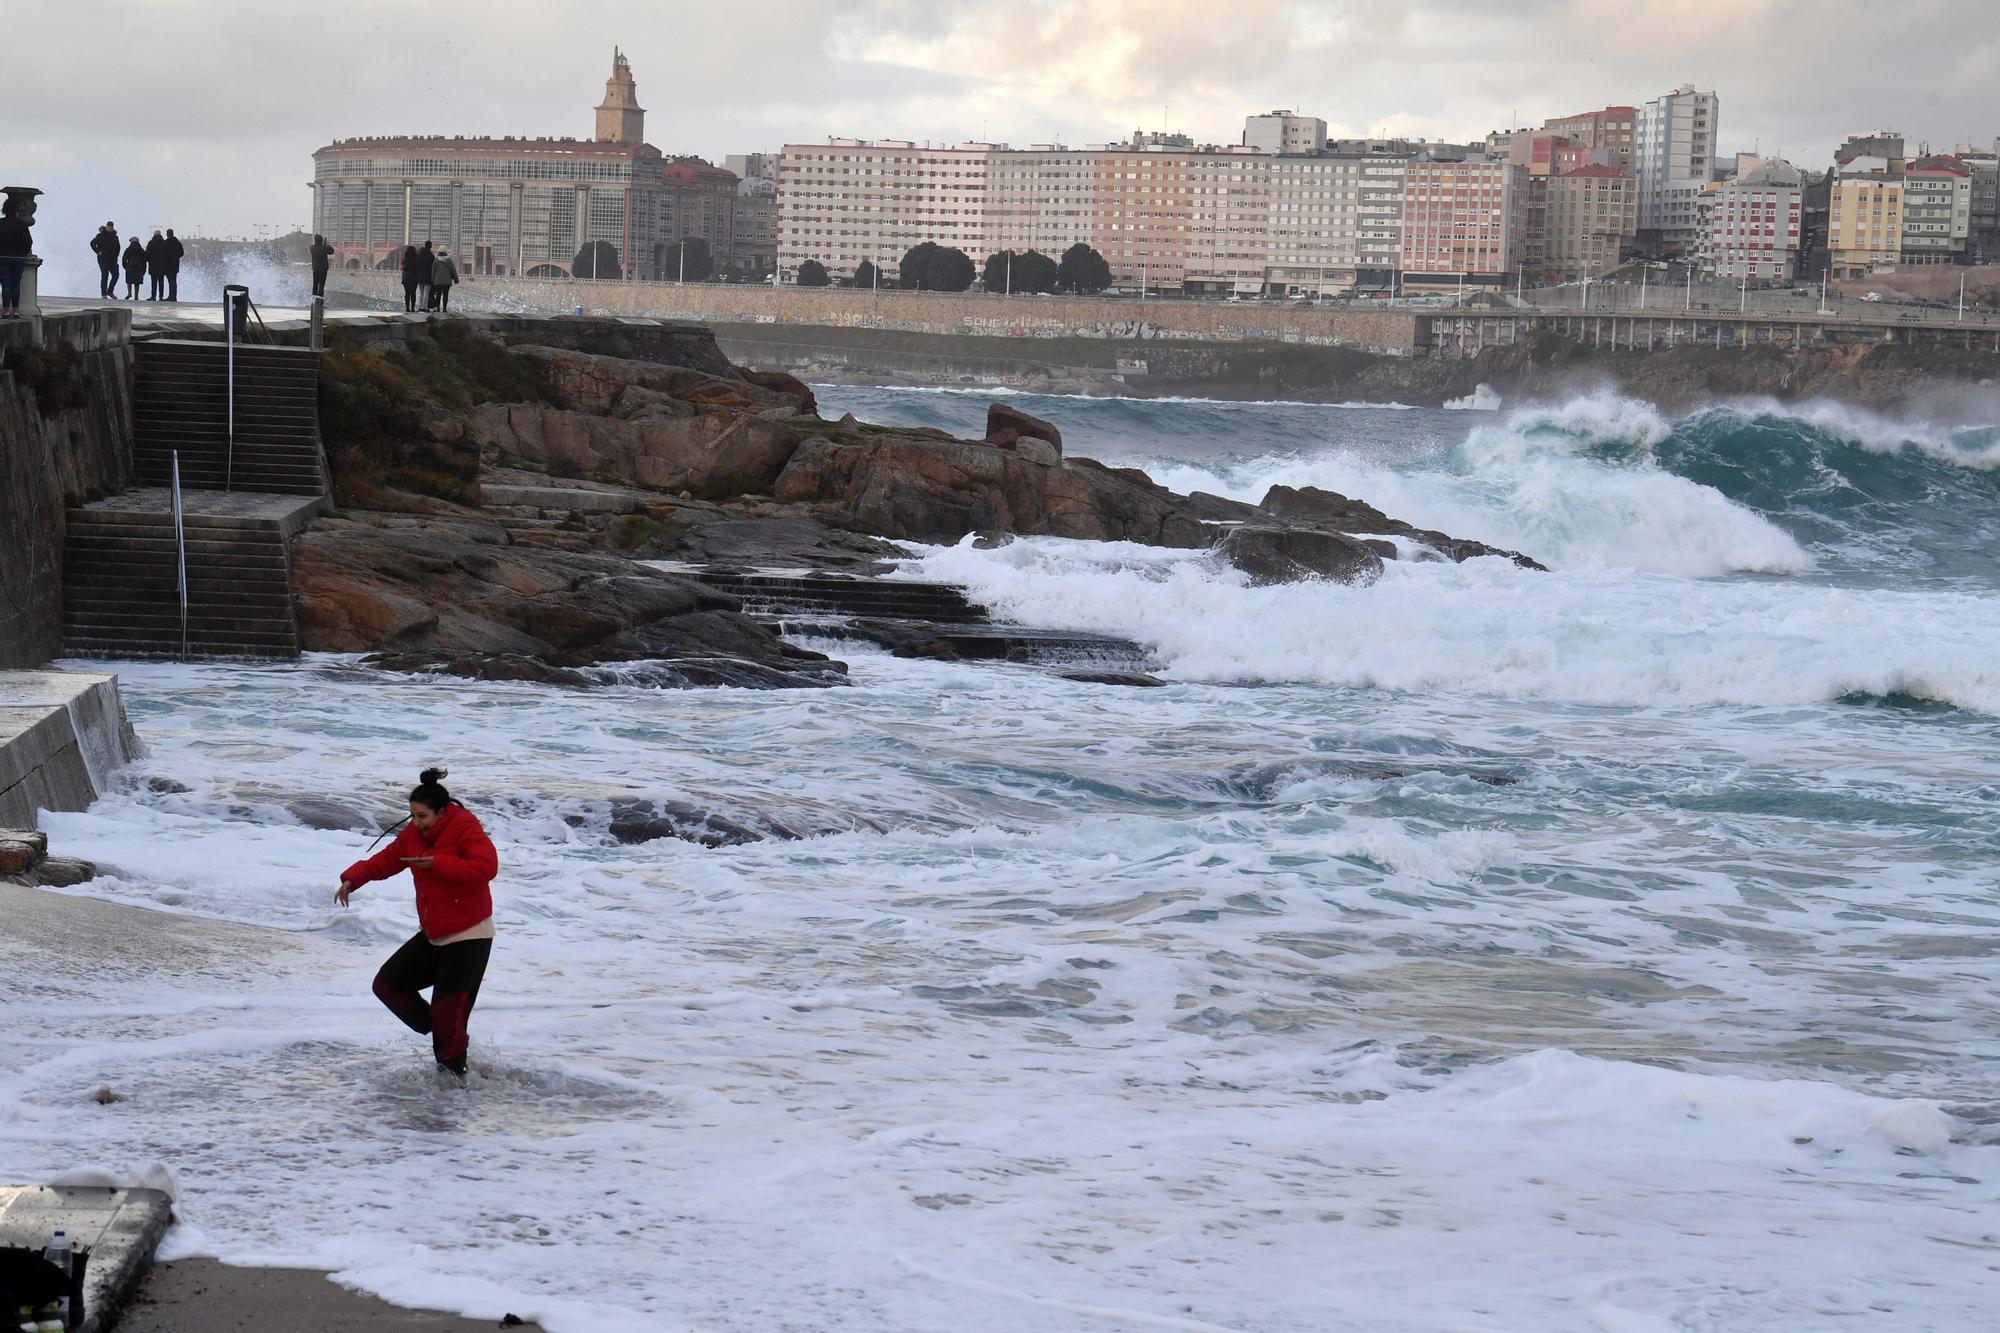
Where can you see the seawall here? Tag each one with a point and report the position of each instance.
(62, 734)
(949, 313)
(65, 437)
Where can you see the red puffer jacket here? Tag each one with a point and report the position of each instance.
(456, 893)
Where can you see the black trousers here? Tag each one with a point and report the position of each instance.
(319, 282)
(107, 275)
(173, 284)
(159, 287)
(410, 296)
(452, 974)
(441, 298)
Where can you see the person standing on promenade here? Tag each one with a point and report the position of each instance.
(425, 258)
(444, 273)
(105, 246)
(135, 269)
(16, 244)
(410, 278)
(322, 260)
(453, 863)
(156, 264)
(174, 252)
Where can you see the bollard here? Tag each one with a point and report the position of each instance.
(318, 341)
(236, 309)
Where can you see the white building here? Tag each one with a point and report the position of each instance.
(1754, 223)
(847, 200)
(1673, 157)
(1284, 133)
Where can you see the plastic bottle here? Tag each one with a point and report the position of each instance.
(55, 1315)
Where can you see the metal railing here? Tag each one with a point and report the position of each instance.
(181, 553)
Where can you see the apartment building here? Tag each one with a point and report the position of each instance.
(1865, 218)
(847, 200)
(1334, 221)
(1755, 225)
(1463, 222)
(1589, 216)
(1611, 131)
(1984, 164)
(1284, 133)
(1937, 210)
(1673, 154)
(1043, 197)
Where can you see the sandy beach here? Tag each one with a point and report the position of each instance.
(203, 1296)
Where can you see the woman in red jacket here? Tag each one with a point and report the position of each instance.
(453, 863)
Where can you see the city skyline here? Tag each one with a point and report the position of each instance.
(164, 138)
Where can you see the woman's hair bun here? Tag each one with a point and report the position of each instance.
(431, 775)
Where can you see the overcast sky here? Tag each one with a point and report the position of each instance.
(203, 114)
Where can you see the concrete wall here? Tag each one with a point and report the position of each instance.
(51, 460)
(1381, 330)
(61, 737)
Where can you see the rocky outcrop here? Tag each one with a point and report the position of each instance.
(1271, 554)
(1007, 425)
(454, 595)
(665, 444)
(931, 488)
(1330, 511)
(787, 385)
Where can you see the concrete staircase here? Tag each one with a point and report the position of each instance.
(120, 595)
(180, 403)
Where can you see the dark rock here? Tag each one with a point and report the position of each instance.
(914, 488)
(331, 816)
(1290, 555)
(777, 381)
(1219, 509)
(637, 821)
(1135, 678)
(1333, 512)
(21, 850)
(992, 541)
(166, 786)
(1005, 425)
(480, 666)
(59, 872)
(701, 536)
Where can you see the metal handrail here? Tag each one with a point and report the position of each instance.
(181, 552)
(229, 385)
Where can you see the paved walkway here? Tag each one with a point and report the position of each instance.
(204, 318)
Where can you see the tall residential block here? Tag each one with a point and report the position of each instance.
(847, 200)
(1673, 155)
(1865, 218)
(1937, 210)
(1463, 222)
(1590, 215)
(1755, 225)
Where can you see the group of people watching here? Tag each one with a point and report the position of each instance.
(159, 257)
(428, 277)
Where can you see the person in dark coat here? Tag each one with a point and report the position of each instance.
(410, 278)
(156, 264)
(426, 257)
(105, 246)
(322, 259)
(135, 268)
(174, 252)
(16, 244)
(443, 274)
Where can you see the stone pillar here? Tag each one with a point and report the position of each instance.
(458, 225)
(409, 194)
(517, 200)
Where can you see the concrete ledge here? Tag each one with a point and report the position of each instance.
(121, 1228)
(564, 497)
(62, 735)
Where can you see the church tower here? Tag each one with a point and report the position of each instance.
(620, 118)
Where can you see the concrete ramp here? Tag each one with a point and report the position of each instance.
(119, 1228)
(62, 735)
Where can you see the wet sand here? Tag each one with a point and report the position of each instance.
(203, 1296)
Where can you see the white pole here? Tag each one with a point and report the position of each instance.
(1822, 291)
(1643, 274)
(1690, 291)
(1961, 297)
(1743, 300)
(1010, 273)
(684, 259)
(1142, 282)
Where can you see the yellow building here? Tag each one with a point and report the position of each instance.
(1864, 222)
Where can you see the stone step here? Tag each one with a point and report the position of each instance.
(88, 646)
(212, 624)
(142, 518)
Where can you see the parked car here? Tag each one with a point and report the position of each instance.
(1872, 296)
